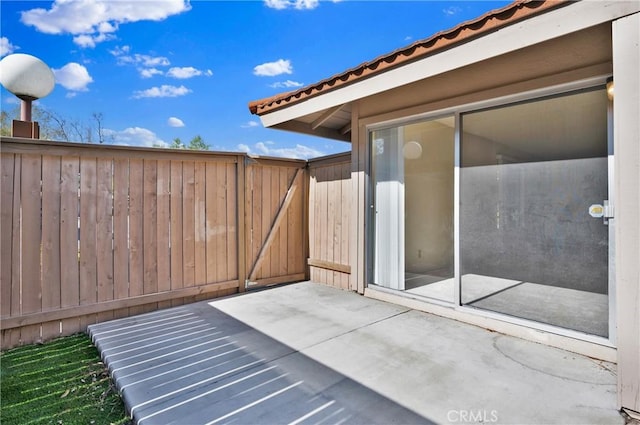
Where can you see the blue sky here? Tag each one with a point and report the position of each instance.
(158, 70)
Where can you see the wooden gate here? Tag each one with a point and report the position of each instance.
(275, 221)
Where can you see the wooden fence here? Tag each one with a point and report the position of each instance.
(329, 217)
(89, 232)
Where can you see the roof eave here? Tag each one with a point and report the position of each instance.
(464, 32)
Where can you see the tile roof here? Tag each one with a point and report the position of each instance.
(490, 21)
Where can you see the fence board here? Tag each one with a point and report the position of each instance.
(276, 199)
(69, 239)
(30, 246)
(220, 223)
(200, 250)
(283, 250)
(30, 285)
(346, 214)
(136, 241)
(232, 203)
(104, 233)
(163, 228)
(188, 229)
(88, 247)
(120, 228)
(88, 265)
(51, 283)
(13, 337)
(176, 226)
(150, 227)
(6, 225)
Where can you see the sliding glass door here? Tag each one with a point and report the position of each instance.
(533, 234)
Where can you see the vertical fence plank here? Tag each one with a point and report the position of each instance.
(200, 250)
(322, 231)
(301, 225)
(88, 249)
(121, 232)
(30, 288)
(277, 196)
(188, 228)
(69, 239)
(267, 218)
(6, 224)
(242, 219)
(312, 220)
(14, 335)
(136, 241)
(164, 220)
(292, 243)
(177, 262)
(220, 222)
(51, 283)
(283, 264)
(256, 214)
(104, 234)
(334, 211)
(346, 214)
(150, 227)
(231, 203)
(212, 221)
(6, 246)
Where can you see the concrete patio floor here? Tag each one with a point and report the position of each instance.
(307, 353)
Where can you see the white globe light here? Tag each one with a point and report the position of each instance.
(26, 76)
(412, 150)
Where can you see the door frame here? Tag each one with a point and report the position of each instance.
(370, 124)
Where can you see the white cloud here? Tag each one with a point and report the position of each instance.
(243, 148)
(175, 122)
(150, 72)
(73, 76)
(187, 72)
(296, 4)
(285, 84)
(12, 100)
(120, 50)
(271, 69)
(267, 149)
(452, 10)
(93, 21)
(250, 124)
(135, 136)
(141, 60)
(162, 91)
(6, 48)
(88, 40)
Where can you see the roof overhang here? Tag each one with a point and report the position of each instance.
(325, 111)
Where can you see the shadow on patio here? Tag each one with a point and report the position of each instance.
(307, 353)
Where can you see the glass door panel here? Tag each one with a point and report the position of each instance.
(413, 188)
(530, 245)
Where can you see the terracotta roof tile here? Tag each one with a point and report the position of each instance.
(490, 21)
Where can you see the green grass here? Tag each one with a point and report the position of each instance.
(60, 382)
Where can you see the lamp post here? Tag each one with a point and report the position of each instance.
(29, 79)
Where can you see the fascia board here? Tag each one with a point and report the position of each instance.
(556, 23)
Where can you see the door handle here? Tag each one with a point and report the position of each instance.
(604, 211)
